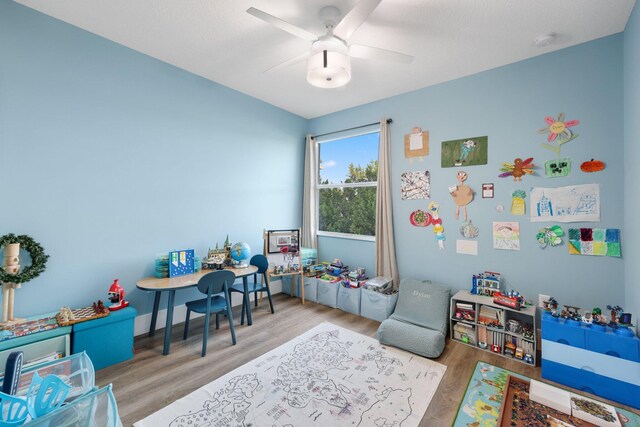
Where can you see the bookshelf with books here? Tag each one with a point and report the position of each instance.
(477, 321)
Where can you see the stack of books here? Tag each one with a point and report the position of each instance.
(491, 316)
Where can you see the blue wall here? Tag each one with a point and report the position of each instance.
(632, 158)
(508, 104)
(110, 157)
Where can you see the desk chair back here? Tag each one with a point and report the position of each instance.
(212, 285)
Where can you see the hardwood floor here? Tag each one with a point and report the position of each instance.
(151, 381)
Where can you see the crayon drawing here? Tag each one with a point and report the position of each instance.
(506, 235)
(574, 203)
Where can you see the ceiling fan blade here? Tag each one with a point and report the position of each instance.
(283, 25)
(289, 62)
(368, 52)
(356, 16)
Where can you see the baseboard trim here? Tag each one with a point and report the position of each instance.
(143, 321)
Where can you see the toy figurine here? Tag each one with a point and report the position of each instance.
(116, 296)
(616, 312)
(587, 318)
(496, 348)
(528, 358)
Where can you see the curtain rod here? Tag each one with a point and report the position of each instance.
(389, 121)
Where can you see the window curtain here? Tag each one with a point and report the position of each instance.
(386, 264)
(309, 239)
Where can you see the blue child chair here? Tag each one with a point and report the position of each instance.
(262, 263)
(218, 301)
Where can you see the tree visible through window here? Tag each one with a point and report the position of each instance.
(347, 185)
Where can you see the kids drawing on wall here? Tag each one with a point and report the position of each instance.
(462, 194)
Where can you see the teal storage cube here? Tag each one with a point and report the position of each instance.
(310, 289)
(349, 299)
(108, 340)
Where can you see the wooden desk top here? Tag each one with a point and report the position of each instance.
(169, 283)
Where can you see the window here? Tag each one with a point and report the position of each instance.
(348, 175)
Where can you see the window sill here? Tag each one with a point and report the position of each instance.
(347, 236)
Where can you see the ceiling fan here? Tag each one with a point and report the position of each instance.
(329, 60)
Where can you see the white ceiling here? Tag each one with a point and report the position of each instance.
(218, 40)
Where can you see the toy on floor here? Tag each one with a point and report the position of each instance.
(116, 296)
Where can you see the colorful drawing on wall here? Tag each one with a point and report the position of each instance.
(469, 230)
(487, 190)
(416, 144)
(595, 241)
(506, 235)
(181, 262)
(557, 168)
(518, 169)
(438, 228)
(462, 194)
(518, 207)
(419, 218)
(465, 152)
(415, 185)
(592, 166)
(574, 203)
(559, 132)
(550, 236)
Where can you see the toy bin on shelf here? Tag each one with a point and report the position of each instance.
(376, 305)
(349, 299)
(605, 363)
(328, 293)
(107, 340)
(310, 289)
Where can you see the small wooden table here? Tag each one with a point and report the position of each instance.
(172, 284)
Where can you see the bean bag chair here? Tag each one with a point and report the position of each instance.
(420, 319)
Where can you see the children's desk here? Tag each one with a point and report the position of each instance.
(172, 284)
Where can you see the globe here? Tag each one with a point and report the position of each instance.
(240, 252)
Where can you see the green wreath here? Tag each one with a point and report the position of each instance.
(38, 259)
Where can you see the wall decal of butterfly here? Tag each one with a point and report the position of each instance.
(518, 169)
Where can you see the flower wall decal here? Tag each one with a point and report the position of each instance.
(559, 132)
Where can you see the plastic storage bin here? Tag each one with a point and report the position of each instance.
(377, 306)
(310, 289)
(328, 293)
(107, 340)
(96, 408)
(349, 299)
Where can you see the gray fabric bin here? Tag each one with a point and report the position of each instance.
(310, 289)
(377, 306)
(286, 285)
(349, 299)
(328, 293)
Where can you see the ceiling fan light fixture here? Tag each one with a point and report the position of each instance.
(328, 69)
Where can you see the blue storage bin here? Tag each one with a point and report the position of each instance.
(608, 342)
(328, 293)
(556, 330)
(286, 286)
(310, 289)
(590, 382)
(349, 299)
(107, 340)
(377, 306)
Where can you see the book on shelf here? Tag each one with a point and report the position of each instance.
(464, 306)
(491, 316)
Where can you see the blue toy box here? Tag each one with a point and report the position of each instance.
(594, 359)
(107, 340)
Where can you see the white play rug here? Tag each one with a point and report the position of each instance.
(328, 376)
